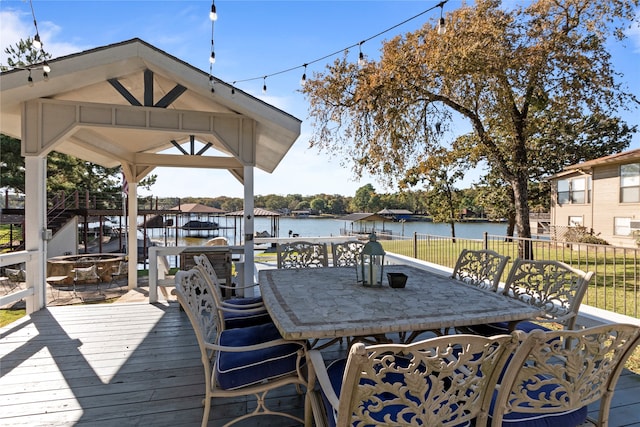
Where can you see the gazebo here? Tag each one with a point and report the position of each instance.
(365, 221)
(126, 104)
(260, 212)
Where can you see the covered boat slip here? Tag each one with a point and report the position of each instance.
(138, 364)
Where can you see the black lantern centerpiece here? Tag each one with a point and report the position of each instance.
(370, 262)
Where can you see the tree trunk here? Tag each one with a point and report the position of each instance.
(453, 231)
(511, 227)
(521, 194)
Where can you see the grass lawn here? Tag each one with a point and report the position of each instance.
(9, 316)
(614, 287)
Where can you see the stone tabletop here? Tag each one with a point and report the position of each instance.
(328, 303)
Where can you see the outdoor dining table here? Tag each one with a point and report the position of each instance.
(318, 303)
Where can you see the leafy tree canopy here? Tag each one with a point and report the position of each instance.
(533, 81)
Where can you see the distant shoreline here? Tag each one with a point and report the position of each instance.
(414, 218)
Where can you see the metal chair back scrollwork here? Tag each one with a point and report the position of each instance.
(555, 287)
(301, 254)
(346, 254)
(443, 381)
(553, 376)
(481, 268)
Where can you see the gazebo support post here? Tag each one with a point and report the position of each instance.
(248, 228)
(35, 228)
(132, 234)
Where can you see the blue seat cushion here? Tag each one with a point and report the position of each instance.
(491, 329)
(336, 371)
(568, 418)
(244, 301)
(239, 369)
(233, 320)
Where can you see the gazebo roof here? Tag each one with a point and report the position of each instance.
(124, 103)
(197, 208)
(363, 216)
(256, 212)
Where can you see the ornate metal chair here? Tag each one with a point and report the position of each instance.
(203, 261)
(83, 275)
(481, 268)
(14, 276)
(119, 272)
(554, 375)
(553, 286)
(232, 313)
(345, 254)
(238, 362)
(302, 254)
(442, 381)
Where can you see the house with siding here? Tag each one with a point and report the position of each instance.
(602, 195)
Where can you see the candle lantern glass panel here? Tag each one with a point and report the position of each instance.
(370, 263)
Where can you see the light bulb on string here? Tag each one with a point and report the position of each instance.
(303, 80)
(30, 79)
(45, 67)
(213, 15)
(212, 58)
(212, 82)
(264, 84)
(36, 41)
(361, 61)
(442, 26)
(233, 89)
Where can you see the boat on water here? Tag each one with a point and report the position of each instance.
(200, 225)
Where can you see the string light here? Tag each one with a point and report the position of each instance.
(442, 26)
(36, 40)
(213, 15)
(303, 80)
(37, 44)
(361, 59)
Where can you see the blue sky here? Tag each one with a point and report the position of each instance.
(252, 39)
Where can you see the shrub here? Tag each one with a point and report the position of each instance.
(590, 238)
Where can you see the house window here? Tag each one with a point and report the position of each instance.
(563, 191)
(621, 226)
(577, 190)
(630, 183)
(575, 221)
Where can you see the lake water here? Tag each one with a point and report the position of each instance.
(315, 227)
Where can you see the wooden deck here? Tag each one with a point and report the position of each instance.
(138, 364)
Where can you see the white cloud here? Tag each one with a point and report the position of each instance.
(15, 26)
(634, 32)
(18, 25)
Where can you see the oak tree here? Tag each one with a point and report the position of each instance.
(526, 77)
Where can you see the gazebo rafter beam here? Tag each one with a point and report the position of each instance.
(171, 96)
(124, 92)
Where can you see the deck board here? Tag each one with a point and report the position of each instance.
(138, 364)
